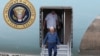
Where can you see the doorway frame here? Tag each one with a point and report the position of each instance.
(55, 7)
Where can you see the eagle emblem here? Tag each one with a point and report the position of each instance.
(19, 14)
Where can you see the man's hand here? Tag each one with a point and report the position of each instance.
(43, 46)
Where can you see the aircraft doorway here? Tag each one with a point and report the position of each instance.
(64, 27)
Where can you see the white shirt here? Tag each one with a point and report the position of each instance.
(51, 20)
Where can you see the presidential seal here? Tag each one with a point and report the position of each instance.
(19, 14)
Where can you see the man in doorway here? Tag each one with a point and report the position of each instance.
(51, 20)
(52, 39)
